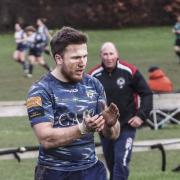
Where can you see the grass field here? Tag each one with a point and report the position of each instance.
(16, 131)
(144, 166)
(142, 47)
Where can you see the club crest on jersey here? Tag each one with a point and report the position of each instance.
(90, 93)
(120, 82)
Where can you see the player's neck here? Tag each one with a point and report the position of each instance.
(58, 75)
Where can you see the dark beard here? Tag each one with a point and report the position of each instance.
(68, 77)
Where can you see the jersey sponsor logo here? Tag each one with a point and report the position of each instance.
(36, 112)
(69, 119)
(70, 90)
(120, 82)
(34, 102)
(90, 93)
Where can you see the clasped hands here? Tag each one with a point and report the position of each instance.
(107, 117)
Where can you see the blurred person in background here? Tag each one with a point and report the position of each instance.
(21, 46)
(65, 108)
(35, 49)
(158, 80)
(43, 30)
(122, 83)
(176, 31)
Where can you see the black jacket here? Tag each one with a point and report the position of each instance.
(123, 86)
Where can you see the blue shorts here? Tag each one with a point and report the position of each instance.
(21, 47)
(96, 172)
(177, 42)
(37, 52)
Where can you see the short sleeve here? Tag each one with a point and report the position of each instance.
(39, 105)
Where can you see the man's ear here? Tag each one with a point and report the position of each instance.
(58, 59)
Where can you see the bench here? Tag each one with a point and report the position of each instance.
(165, 109)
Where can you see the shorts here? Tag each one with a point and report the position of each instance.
(96, 172)
(177, 42)
(37, 52)
(21, 47)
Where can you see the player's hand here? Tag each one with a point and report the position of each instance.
(91, 124)
(135, 121)
(111, 115)
(95, 123)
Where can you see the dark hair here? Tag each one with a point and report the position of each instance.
(43, 20)
(30, 28)
(153, 68)
(65, 37)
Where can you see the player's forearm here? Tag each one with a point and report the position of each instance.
(112, 132)
(56, 137)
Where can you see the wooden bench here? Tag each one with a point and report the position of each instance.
(165, 106)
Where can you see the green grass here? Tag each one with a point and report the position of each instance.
(12, 170)
(167, 132)
(140, 46)
(147, 166)
(16, 132)
(144, 166)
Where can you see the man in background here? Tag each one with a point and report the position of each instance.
(123, 83)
